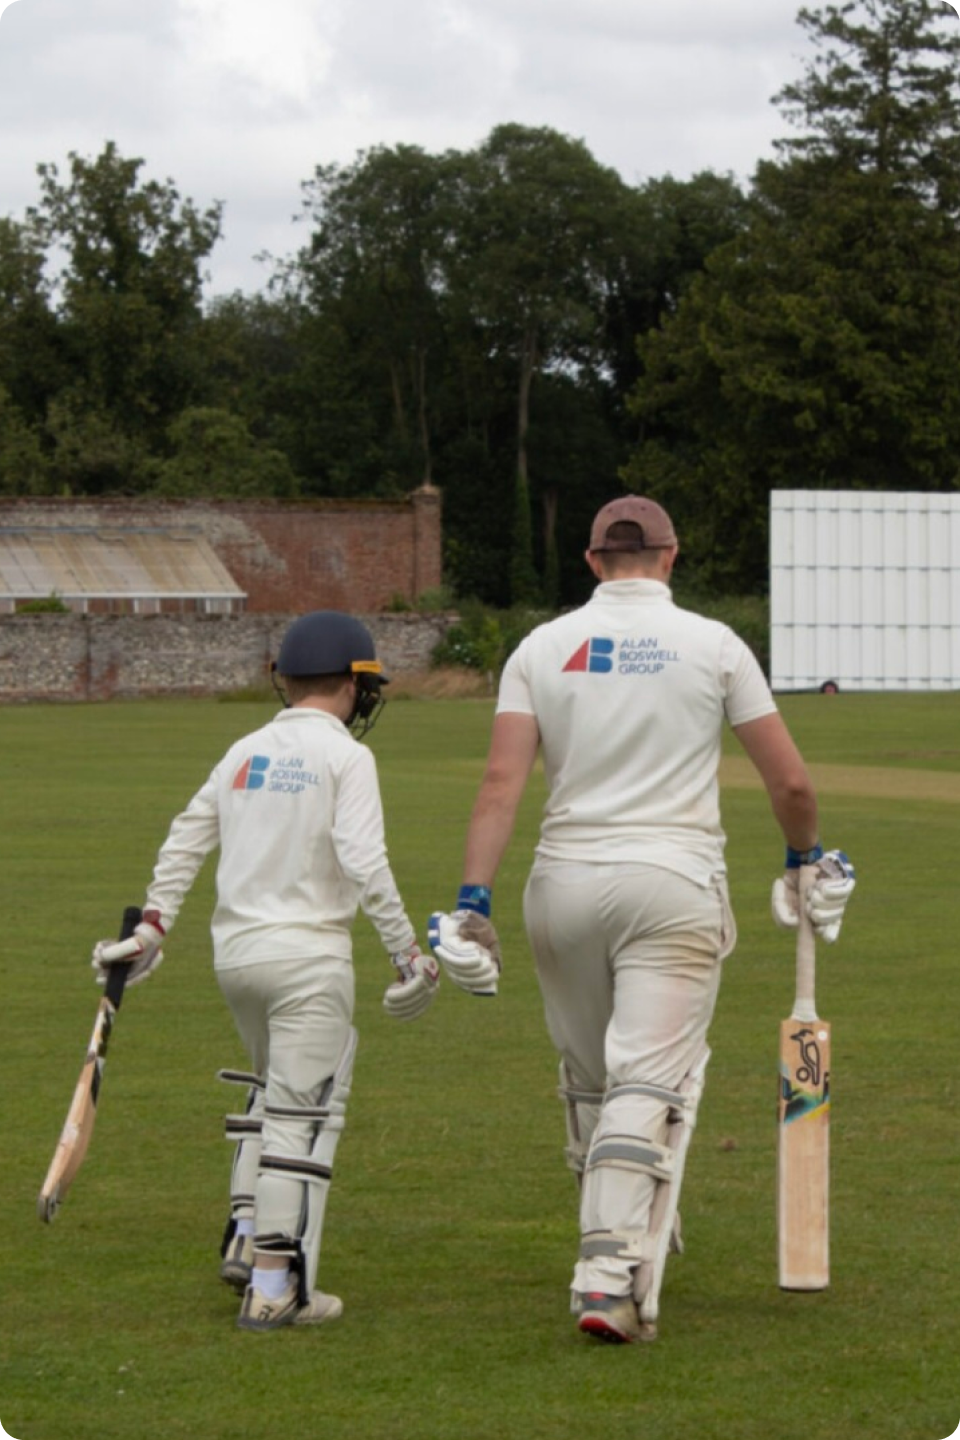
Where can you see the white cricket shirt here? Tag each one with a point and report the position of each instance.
(295, 809)
(630, 694)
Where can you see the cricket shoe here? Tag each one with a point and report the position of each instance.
(237, 1265)
(259, 1312)
(613, 1318)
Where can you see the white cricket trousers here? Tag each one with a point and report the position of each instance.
(628, 959)
(294, 1018)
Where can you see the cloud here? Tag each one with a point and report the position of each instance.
(238, 100)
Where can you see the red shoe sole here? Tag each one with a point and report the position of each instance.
(600, 1327)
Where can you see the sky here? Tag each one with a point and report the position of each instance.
(239, 100)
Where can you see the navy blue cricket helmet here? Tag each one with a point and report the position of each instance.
(328, 642)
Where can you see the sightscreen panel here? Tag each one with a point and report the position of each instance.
(864, 590)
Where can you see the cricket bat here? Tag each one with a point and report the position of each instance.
(803, 1149)
(78, 1127)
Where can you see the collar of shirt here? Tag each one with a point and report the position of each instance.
(299, 712)
(630, 591)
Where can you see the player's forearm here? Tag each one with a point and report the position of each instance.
(792, 797)
(381, 903)
(192, 836)
(488, 836)
(795, 808)
(513, 749)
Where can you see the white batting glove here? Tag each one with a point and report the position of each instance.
(413, 993)
(469, 947)
(826, 899)
(142, 951)
(828, 895)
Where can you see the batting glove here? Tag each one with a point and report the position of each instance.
(469, 947)
(829, 893)
(413, 993)
(141, 951)
(826, 899)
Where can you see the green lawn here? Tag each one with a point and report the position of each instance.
(452, 1221)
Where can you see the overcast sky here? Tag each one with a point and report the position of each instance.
(240, 100)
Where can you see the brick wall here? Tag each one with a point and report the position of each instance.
(99, 657)
(309, 555)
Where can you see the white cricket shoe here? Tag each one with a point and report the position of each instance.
(613, 1318)
(319, 1307)
(258, 1312)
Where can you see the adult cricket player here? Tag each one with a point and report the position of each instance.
(295, 810)
(626, 907)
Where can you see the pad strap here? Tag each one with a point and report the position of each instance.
(242, 1077)
(311, 1172)
(628, 1152)
(596, 1244)
(673, 1098)
(241, 1127)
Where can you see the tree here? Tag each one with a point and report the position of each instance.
(129, 294)
(882, 96)
(31, 365)
(24, 469)
(373, 264)
(541, 226)
(819, 348)
(672, 229)
(469, 318)
(214, 454)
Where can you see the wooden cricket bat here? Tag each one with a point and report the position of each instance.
(803, 1150)
(78, 1127)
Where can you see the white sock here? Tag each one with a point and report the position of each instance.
(245, 1227)
(270, 1283)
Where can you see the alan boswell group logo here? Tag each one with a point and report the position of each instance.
(603, 655)
(286, 776)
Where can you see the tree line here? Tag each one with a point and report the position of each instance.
(519, 326)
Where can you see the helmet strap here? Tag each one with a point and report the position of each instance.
(367, 705)
(275, 682)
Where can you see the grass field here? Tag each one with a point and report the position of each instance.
(452, 1221)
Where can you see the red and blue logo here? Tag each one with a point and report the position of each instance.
(595, 656)
(252, 774)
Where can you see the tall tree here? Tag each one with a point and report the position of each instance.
(128, 300)
(820, 348)
(542, 224)
(373, 262)
(31, 365)
(881, 95)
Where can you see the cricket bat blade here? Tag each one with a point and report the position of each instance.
(803, 1131)
(78, 1126)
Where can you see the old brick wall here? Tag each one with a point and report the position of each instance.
(99, 657)
(305, 555)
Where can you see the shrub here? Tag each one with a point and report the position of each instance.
(50, 605)
(484, 638)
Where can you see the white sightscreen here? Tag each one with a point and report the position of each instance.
(864, 590)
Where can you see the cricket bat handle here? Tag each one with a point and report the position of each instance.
(117, 975)
(805, 1004)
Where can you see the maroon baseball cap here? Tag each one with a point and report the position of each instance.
(656, 527)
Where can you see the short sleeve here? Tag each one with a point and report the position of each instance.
(747, 696)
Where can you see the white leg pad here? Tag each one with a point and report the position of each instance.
(313, 1171)
(618, 1147)
(244, 1131)
(664, 1233)
(582, 1110)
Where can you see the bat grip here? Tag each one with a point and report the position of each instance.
(805, 1007)
(117, 974)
